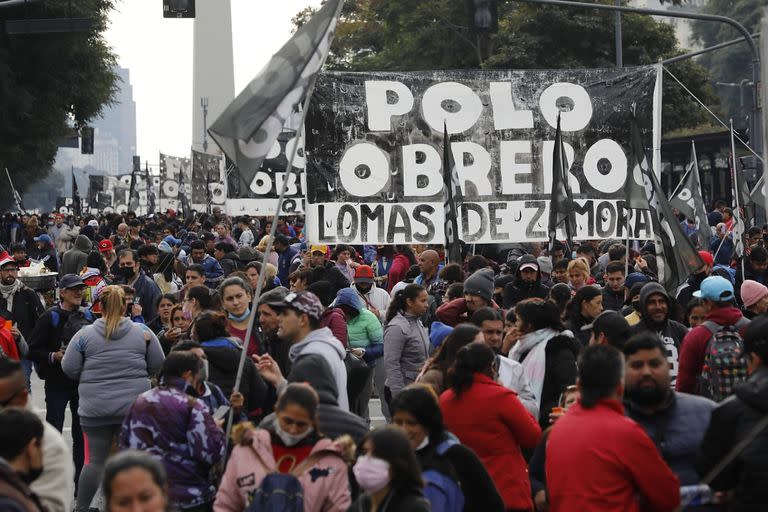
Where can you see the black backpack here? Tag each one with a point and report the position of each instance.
(75, 321)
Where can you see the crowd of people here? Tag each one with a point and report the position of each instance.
(522, 378)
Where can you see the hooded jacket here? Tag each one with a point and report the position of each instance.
(223, 360)
(695, 346)
(671, 333)
(520, 290)
(112, 372)
(15, 495)
(322, 342)
(406, 349)
(231, 263)
(693, 284)
(375, 297)
(211, 268)
(332, 420)
(75, 259)
(325, 483)
(731, 421)
(63, 236)
(364, 330)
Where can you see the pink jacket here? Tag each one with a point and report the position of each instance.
(328, 492)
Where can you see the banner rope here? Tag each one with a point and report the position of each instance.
(712, 113)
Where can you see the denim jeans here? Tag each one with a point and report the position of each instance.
(56, 401)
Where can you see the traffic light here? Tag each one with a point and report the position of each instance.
(178, 8)
(86, 140)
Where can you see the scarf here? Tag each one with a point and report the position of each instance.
(8, 291)
(240, 318)
(534, 344)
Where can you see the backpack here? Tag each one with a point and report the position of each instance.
(76, 321)
(282, 492)
(725, 363)
(443, 492)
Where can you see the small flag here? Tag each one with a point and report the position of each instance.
(738, 220)
(676, 258)
(132, 192)
(561, 206)
(689, 200)
(183, 197)
(76, 203)
(637, 182)
(150, 190)
(758, 195)
(15, 193)
(249, 127)
(451, 197)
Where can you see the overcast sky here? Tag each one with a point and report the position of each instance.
(158, 53)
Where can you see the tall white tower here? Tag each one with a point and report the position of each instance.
(213, 67)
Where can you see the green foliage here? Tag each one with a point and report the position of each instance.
(403, 35)
(732, 64)
(49, 82)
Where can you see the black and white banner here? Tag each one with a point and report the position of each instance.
(108, 194)
(260, 196)
(374, 166)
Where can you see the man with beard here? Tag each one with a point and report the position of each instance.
(654, 317)
(375, 299)
(511, 374)
(21, 459)
(527, 284)
(675, 422)
(693, 284)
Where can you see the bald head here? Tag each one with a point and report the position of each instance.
(122, 229)
(13, 386)
(429, 261)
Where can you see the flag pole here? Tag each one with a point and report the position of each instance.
(738, 205)
(272, 231)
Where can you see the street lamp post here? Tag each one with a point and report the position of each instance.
(204, 104)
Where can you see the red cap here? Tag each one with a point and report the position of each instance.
(6, 258)
(364, 274)
(105, 245)
(707, 258)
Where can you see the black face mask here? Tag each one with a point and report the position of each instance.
(30, 476)
(127, 272)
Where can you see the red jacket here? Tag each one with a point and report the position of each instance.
(455, 312)
(400, 266)
(334, 319)
(598, 459)
(489, 419)
(694, 347)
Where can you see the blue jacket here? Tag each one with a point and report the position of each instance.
(726, 251)
(284, 264)
(677, 430)
(214, 274)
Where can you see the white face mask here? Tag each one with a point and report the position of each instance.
(371, 473)
(290, 439)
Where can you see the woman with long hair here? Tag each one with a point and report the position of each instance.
(181, 325)
(490, 420)
(547, 352)
(578, 274)
(584, 307)
(389, 474)
(404, 258)
(196, 300)
(292, 444)
(437, 368)
(133, 478)
(165, 277)
(236, 296)
(113, 360)
(342, 255)
(223, 352)
(163, 307)
(406, 342)
(416, 410)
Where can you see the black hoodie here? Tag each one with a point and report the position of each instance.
(520, 290)
(730, 423)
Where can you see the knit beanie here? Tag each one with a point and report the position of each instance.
(752, 292)
(480, 283)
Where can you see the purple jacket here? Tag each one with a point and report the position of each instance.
(180, 432)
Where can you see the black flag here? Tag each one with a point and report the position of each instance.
(636, 184)
(561, 207)
(688, 199)
(451, 197)
(77, 207)
(183, 197)
(132, 192)
(150, 190)
(676, 257)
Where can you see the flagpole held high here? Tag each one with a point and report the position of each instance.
(451, 195)
(561, 205)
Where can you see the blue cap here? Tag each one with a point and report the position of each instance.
(438, 332)
(44, 238)
(635, 277)
(172, 240)
(715, 288)
(71, 281)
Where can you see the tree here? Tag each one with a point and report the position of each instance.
(732, 64)
(48, 83)
(388, 35)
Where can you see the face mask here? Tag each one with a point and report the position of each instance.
(371, 473)
(127, 272)
(30, 476)
(204, 371)
(290, 439)
(240, 318)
